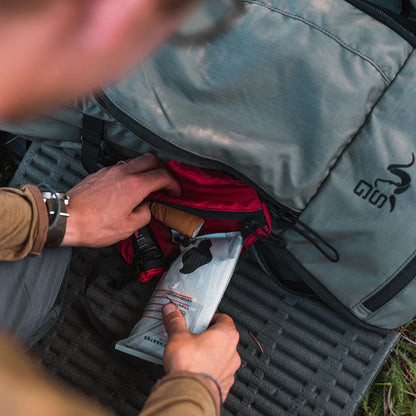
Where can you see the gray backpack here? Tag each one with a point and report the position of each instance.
(312, 103)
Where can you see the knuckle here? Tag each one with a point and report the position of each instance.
(145, 216)
(234, 336)
(237, 362)
(149, 156)
(163, 173)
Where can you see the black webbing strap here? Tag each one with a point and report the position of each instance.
(92, 137)
(108, 335)
(407, 8)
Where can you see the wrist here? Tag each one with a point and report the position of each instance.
(214, 384)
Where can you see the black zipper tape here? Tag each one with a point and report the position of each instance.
(393, 288)
(158, 143)
(219, 215)
(404, 27)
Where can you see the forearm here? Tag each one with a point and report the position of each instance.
(23, 222)
(26, 390)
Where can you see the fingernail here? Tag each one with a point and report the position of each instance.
(169, 308)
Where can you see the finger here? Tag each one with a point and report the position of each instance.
(141, 216)
(225, 324)
(221, 320)
(173, 319)
(158, 179)
(140, 164)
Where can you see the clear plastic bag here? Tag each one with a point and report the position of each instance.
(195, 283)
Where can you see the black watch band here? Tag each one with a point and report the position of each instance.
(57, 217)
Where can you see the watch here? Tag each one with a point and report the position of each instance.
(57, 218)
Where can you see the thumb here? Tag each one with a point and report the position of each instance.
(173, 319)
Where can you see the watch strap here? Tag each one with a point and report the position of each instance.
(56, 233)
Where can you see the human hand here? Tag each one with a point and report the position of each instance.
(212, 352)
(106, 207)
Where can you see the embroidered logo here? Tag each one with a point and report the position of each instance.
(384, 190)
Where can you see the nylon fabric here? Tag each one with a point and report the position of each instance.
(270, 92)
(354, 211)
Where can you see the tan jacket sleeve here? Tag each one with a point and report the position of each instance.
(23, 222)
(181, 394)
(26, 390)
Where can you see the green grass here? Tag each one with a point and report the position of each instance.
(394, 391)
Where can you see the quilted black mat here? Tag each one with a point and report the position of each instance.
(313, 362)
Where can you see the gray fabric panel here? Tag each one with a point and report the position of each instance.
(314, 361)
(28, 293)
(374, 243)
(276, 98)
(64, 128)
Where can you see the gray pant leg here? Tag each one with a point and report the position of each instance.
(31, 293)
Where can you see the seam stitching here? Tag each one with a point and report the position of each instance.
(329, 34)
(354, 136)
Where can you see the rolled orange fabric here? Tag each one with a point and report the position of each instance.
(187, 224)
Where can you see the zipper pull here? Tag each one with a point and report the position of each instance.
(252, 228)
(286, 218)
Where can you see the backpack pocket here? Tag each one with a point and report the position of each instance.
(365, 212)
(224, 203)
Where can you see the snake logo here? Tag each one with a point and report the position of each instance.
(381, 191)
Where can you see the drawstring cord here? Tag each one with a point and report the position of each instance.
(301, 228)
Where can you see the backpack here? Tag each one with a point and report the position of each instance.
(310, 103)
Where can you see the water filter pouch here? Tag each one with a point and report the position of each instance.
(195, 282)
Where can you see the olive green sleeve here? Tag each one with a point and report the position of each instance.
(23, 222)
(181, 394)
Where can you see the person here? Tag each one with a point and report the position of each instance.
(57, 51)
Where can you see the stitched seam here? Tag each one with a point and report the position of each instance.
(329, 34)
(347, 145)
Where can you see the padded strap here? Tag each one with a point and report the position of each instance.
(92, 137)
(108, 335)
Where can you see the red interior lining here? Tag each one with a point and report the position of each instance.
(210, 190)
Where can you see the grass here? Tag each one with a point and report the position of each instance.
(394, 391)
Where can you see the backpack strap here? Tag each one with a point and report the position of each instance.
(109, 336)
(91, 139)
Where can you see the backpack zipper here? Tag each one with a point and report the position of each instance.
(397, 23)
(393, 288)
(219, 215)
(176, 152)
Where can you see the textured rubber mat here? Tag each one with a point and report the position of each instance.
(298, 356)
